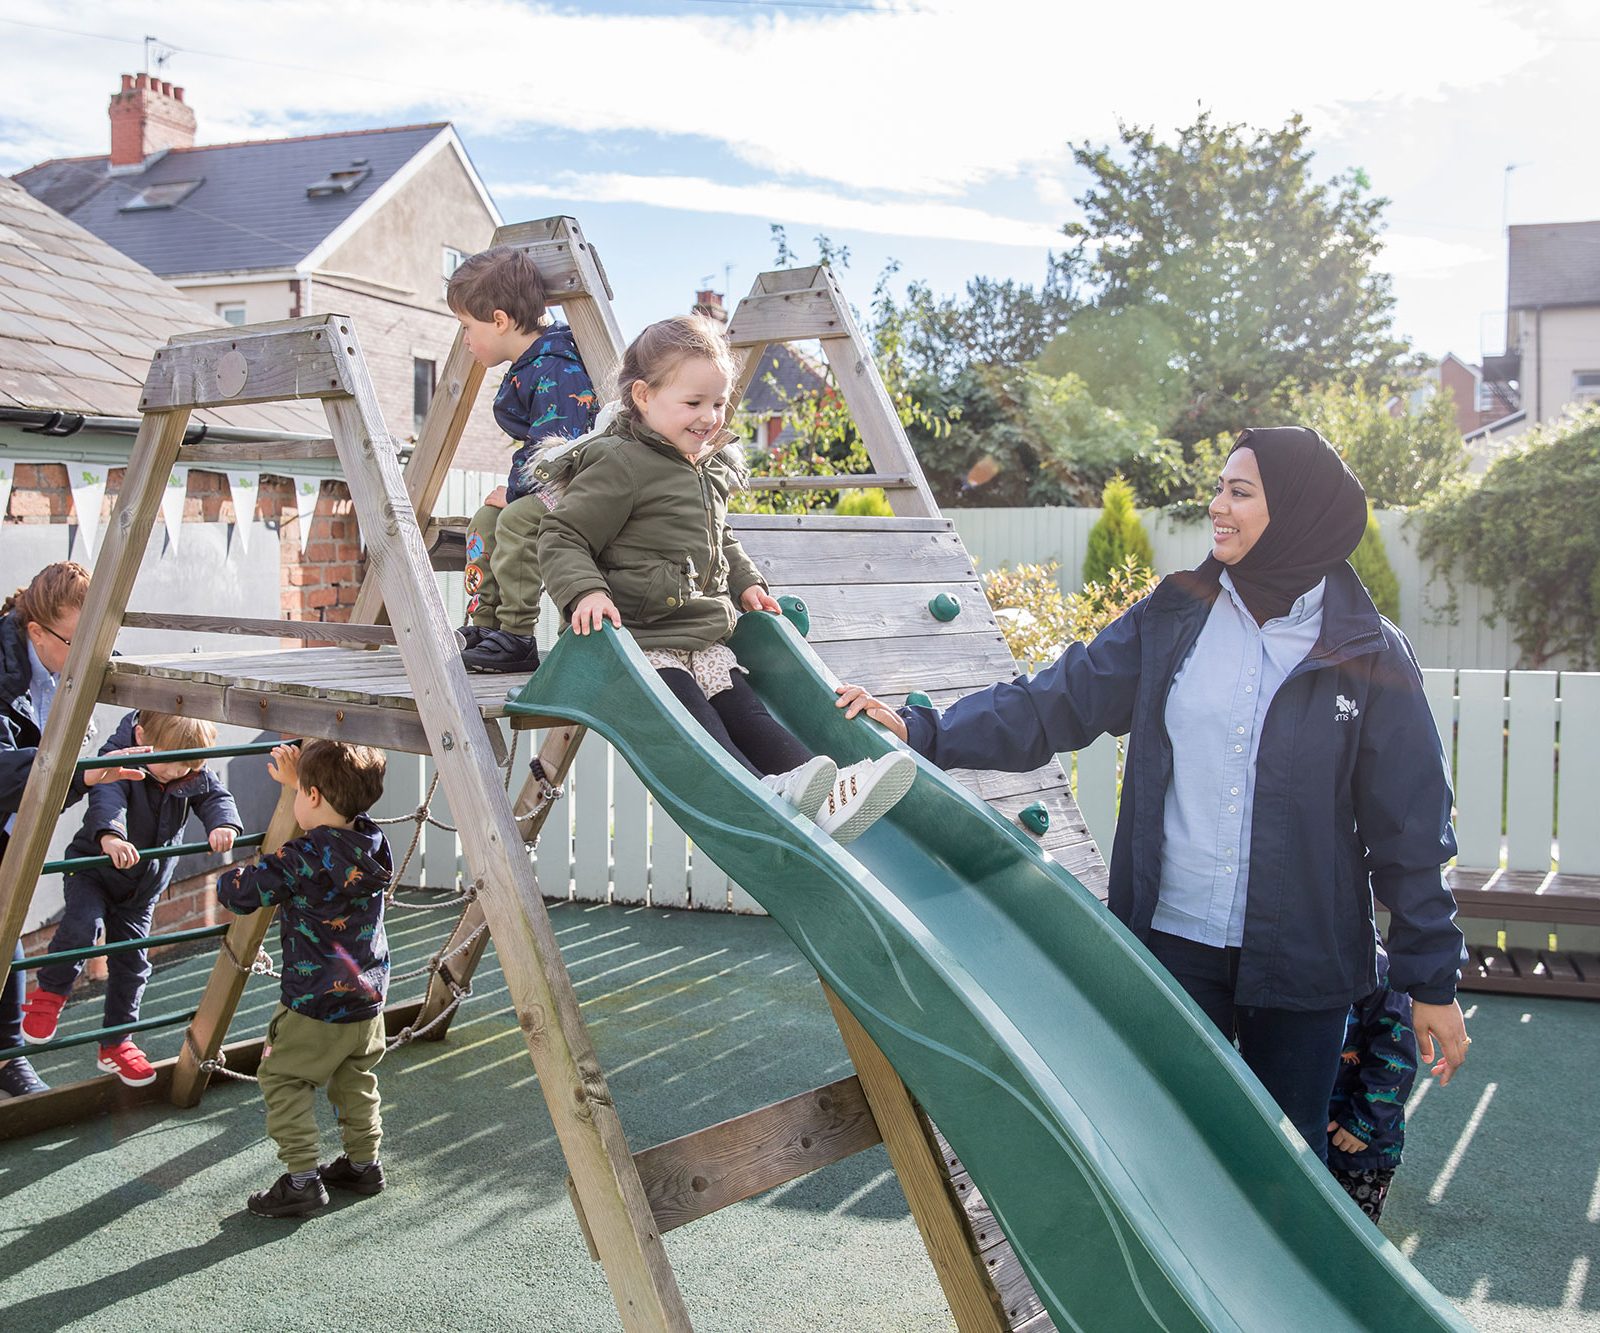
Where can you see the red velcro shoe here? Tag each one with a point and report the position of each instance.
(40, 1015)
(127, 1062)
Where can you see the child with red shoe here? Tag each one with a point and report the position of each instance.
(125, 817)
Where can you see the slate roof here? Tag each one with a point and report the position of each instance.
(1554, 263)
(249, 211)
(785, 376)
(79, 322)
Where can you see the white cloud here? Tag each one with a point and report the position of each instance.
(1426, 257)
(932, 100)
(790, 204)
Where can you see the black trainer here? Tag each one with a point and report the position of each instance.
(284, 1200)
(501, 650)
(470, 635)
(17, 1079)
(343, 1174)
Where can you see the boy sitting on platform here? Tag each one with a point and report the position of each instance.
(329, 885)
(125, 820)
(545, 398)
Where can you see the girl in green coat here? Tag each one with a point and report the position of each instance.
(641, 539)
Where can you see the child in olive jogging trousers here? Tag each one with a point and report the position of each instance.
(328, 886)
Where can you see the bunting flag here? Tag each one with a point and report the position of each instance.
(306, 491)
(172, 504)
(244, 487)
(7, 472)
(88, 482)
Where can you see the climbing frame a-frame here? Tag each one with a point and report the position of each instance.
(411, 693)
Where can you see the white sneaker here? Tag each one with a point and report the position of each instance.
(805, 787)
(864, 793)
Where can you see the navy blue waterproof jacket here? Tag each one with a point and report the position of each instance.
(329, 887)
(1352, 793)
(1376, 1071)
(148, 814)
(546, 392)
(19, 726)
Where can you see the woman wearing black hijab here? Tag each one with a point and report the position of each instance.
(1282, 768)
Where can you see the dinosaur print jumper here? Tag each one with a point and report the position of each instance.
(546, 393)
(329, 886)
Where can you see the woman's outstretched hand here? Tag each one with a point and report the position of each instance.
(93, 777)
(855, 699)
(1445, 1022)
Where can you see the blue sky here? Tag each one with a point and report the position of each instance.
(932, 132)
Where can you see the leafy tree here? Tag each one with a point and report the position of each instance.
(1371, 564)
(1020, 438)
(1117, 538)
(1261, 274)
(1402, 453)
(1530, 533)
(996, 323)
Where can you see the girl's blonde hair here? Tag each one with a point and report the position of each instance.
(656, 354)
(55, 589)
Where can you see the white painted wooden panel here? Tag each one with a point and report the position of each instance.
(1579, 828)
(591, 818)
(1530, 770)
(1479, 759)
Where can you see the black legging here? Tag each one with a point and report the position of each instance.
(739, 722)
(11, 994)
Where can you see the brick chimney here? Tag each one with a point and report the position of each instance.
(710, 305)
(148, 116)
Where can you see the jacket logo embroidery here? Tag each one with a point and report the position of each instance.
(1347, 709)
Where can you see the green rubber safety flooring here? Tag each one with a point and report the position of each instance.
(138, 1220)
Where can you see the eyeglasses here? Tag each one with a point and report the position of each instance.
(48, 630)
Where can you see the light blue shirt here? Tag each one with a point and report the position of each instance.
(1215, 708)
(42, 692)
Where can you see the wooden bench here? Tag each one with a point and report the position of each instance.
(1527, 895)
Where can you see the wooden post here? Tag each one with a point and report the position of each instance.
(138, 505)
(555, 756)
(915, 1156)
(585, 1119)
(220, 999)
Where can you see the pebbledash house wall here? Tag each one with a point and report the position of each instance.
(210, 571)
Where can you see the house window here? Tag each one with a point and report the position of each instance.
(421, 389)
(168, 195)
(453, 259)
(1586, 385)
(231, 312)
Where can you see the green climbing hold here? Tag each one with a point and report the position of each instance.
(917, 699)
(794, 611)
(944, 607)
(1035, 818)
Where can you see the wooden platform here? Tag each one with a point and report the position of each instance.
(340, 693)
(1547, 972)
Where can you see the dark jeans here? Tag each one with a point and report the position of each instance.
(739, 722)
(89, 904)
(1294, 1052)
(16, 983)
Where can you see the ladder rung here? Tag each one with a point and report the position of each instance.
(121, 946)
(98, 1034)
(847, 481)
(176, 756)
(326, 630)
(154, 854)
(256, 451)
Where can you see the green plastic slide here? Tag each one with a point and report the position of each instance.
(1142, 1175)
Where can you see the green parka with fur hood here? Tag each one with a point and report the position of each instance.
(642, 523)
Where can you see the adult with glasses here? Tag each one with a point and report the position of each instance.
(37, 626)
